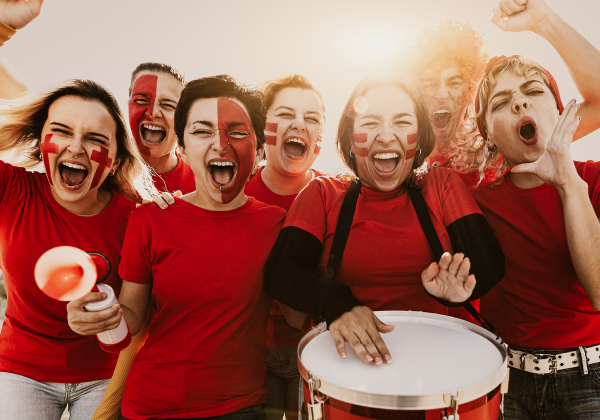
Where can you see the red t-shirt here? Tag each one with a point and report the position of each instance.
(386, 250)
(540, 302)
(36, 340)
(181, 178)
(279, 332)
(204, 355)
(469, 178)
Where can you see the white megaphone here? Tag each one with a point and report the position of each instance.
(66, 273)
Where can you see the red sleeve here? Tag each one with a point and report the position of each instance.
(12, 183)
(135, 264)
(309, 210)
(590, 173)
(457, 200)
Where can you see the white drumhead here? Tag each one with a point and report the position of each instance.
(431, 354)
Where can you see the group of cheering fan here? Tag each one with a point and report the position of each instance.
(220, 276)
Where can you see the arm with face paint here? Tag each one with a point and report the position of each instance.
(14, 14)
(580, 56)
(555, 167)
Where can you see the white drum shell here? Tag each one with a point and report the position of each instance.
(112, 336)
(407, 395)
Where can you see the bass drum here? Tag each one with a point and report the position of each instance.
(443, 368)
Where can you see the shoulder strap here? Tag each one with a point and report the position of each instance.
(424, 217)
(342, 230)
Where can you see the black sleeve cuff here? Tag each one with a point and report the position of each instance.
(338, 301)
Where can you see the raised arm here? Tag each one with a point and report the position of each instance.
(580, 56)
(555, 167)
(14, 15)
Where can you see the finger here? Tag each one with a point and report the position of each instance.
(160, 202)
(525, 168)
(470, 284)
(168, 198)
(513, 6)
(445, 261)
(498, 19)
(90, 297)
(371, 353)
(146, 201)
(177, 193)
(340, 343)
(378, 340)
(455, 263)
(521, 3)
(430, 272)
(505, 9)
(100, 316)
(463, 270)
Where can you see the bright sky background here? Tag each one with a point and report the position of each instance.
(334, 43)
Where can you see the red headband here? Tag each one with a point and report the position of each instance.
(492, 62)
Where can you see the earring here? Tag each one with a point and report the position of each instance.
(419, 150)
(491, 146)
(352, 155)
(112, 172)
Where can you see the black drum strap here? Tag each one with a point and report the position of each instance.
(342, 231)
(424, 217)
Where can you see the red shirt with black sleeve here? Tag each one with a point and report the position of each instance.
(204, 355)
(540, 303)
(279, 333)
(36, 340)
(387, 249)
(181, 178)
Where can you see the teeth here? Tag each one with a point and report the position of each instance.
(218, 163)
(442, 112)
(295, 140)
(153, 127)
(74, 166)
(385, 156)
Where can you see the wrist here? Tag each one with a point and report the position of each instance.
(573, 187)
(6, 32)
(549, 25)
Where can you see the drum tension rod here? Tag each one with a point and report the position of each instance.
(316, 410)
(452, 400)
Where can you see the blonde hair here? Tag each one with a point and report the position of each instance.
(472, 152)
(22, 121)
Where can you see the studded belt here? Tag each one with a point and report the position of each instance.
(542, 364)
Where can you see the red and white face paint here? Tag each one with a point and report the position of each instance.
(232, 119)
(220, 147)
(79, 148)
(295, 123)
(385, 138)
(152, 106)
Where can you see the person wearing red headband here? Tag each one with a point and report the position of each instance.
(544, 213)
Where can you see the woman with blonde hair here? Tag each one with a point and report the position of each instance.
(544, 213)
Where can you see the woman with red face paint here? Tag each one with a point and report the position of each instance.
(383, 136)
(544, 213)
(209, 315)
(91, 164)
(153, 95)
(295, 123)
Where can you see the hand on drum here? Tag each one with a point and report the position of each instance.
(163, 200)
(360, 328)
(90, 323)
(450, 279)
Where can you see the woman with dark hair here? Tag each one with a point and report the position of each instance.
(383, 136)
(204, 356)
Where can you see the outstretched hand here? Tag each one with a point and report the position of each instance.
(449, 279)
(163, 200)
(520, 15)
(555, 166)
(18, 13)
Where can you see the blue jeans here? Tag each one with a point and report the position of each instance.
(254, 412)
(25, 399)
(566, 395)
(284, 379)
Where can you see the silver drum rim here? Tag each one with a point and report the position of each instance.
(409, 402)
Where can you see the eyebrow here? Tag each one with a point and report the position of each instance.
(284, 107)
(455, 77)
(140, 94)
(236, 124)
(91, 133)
(208, 123)
(168, 100)
(377, 117)
(507, 91)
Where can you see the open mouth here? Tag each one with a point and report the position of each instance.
(295, 147)
(441, 118)
(386, 162)
(72, 175)
(527, 130)
(152, 133)
(222, 172)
